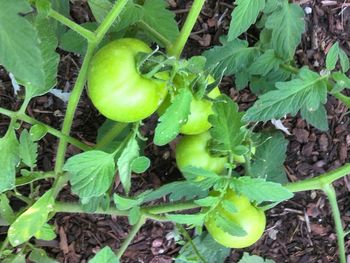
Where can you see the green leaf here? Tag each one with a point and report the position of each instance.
(48, 43)
(19, 45)
(173, 118)
(140, 164)
(344, 60)
(90, 173)
(100, 8)
(254, 259)
(39, 256)
(332, 56)
(28, 150)
(117, 130)
(46, 232)
(9, 159)
(265, 63)
(207, 201)
(228, 206)
(75, 43)
(17, 258)
(308, 89)
(92, 204)
(259, 190)
(126, 203)
(200, 177)
(317, 118)
(134, 215)
(32, 220)
(160, 19)
(131, 13)
(105, 255)
(37, 132)
(226, 132)
(287, 25)
(342, 82)
(182, 190)
(243, 16)
(194, 219)
(228, 226)
(269, 159)
(129, 154)
(206, 246)
(6, 211)
(231, 58)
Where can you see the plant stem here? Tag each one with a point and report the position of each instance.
(317, 183)
(344, 99)
(71, 108)
(90, 36)
(330, 192)
(109, 20)
(54, 132)
(186, 30)
(170, 207)
(130, 237)
(63, 207)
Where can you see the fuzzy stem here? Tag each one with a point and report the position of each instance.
(130, 237)
(90, 36)
(330, 192)
(186, 30)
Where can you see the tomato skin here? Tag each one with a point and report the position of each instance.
(191, 151)
(115, 86)
(200, 109)
(250, 218)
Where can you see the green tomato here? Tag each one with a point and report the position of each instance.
(240, 158)
(197, 122)
(115, 86)
(192, 151)
(248, 217)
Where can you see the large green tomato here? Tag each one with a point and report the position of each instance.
(248, 217)
(192, 151)
(115, 86)
(200, 109)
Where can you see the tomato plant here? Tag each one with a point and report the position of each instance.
(250, 218)
(127, 81)
(192, 150)
(117, 88)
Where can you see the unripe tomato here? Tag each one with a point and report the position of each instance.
(192, 151)
(240, 158)
(115, 86)
(248, 217)
(200, 110)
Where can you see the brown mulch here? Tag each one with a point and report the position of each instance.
(299, 230)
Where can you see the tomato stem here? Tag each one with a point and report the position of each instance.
(109, 20)
(317, 183)
(131, 236)
(186, 30)
(53, 131)
(330, 192)
(90, 36)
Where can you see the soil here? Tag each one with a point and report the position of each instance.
(299, 230)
